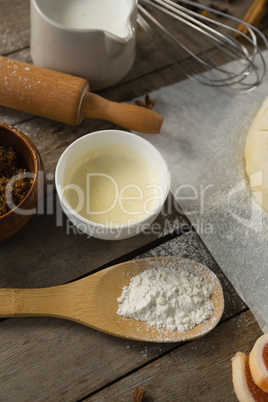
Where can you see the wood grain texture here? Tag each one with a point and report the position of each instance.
(69, 361)
(197, 371)
(50, 359)
(14, 25)
(50, 251)
(93, 301)
(41, 92)
(128, 116)
(65, 98)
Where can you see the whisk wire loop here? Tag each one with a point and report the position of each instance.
(223, 37)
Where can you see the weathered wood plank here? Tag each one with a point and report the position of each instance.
(69, 361)
(198, 371)
(14, 25)
(51, 251)
(152, 67)
(51, 359)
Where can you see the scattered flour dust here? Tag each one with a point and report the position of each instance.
(167, 297)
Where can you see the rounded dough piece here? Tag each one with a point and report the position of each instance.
(258, 362)
(256, 155)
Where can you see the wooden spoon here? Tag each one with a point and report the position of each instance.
(92, 301)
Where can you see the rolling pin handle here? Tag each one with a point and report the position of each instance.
(132, 117)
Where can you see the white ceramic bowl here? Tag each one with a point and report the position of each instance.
(132, 143)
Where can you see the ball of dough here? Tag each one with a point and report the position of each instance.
(256, 155)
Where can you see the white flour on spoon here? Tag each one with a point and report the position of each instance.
(166, 297)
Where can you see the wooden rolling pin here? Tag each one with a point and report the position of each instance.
(65, 98)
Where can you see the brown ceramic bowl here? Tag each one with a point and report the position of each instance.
(15, 220)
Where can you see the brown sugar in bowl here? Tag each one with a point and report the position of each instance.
(16, 219)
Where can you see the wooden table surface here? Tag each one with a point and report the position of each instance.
(49, 359)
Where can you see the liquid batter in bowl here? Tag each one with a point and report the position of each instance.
(112, 186)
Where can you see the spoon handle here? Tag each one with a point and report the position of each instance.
(33, 302)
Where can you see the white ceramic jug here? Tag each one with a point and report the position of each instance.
(94, 39)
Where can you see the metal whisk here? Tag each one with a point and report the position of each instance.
(187, 36)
